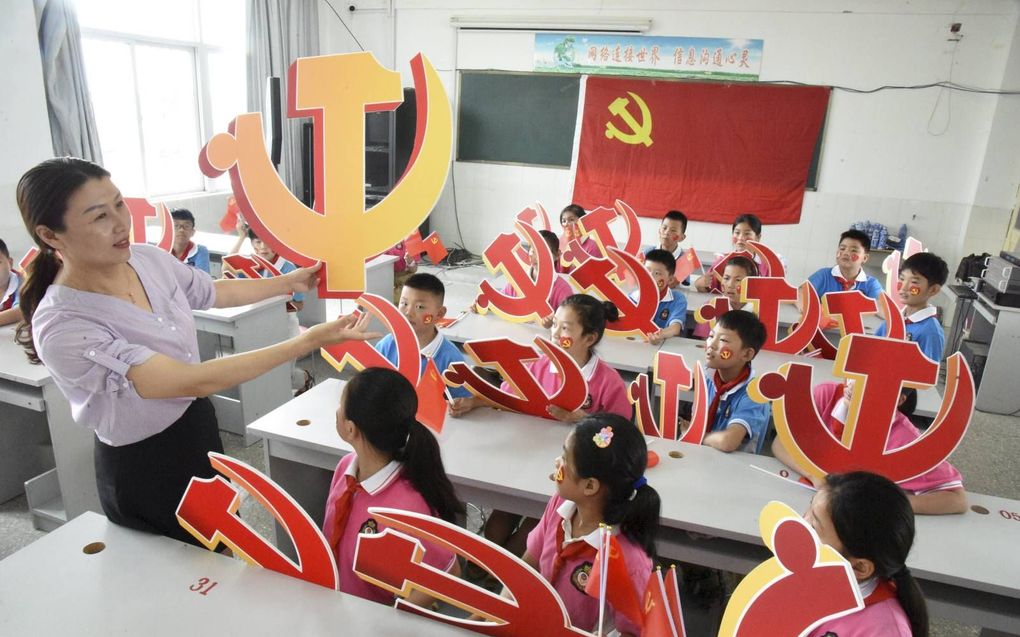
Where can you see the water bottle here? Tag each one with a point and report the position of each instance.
(883, 237)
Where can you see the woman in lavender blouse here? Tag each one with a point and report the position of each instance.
(112, 322)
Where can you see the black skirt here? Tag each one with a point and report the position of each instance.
(141, 484)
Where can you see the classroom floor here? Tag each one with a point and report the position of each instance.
(986, 458)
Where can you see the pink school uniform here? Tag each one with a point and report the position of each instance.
(552, 538)
(944, 477)
(881, 615)
(606, 390)
(587, 244)
(560, 290)
(387, 488)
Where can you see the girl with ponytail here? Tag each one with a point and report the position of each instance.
(868, 520)
(600, 479)
(396, 463)
(577, 327)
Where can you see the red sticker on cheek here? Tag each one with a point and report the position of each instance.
(427, 319)
(914, 290)
(661, 283)
(854, 258)
(557, 475)
(566, 342)
(675, 237)
(726, 353)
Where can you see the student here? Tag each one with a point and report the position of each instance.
(10, 288)
(737, 269)
(671, 314)
(421, 301)
(848, 273)
(396, 463)
(561, 288)
(921, 278)
(578, 326)
(186, 250)
(261, 249)
(937, 492)
(125, 354)
(600, 479)
(569, 217)
(735, 421)
(746, 227)
(868, 520)
(672, 233)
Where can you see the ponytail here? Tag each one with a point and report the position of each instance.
(382, 404)
(423, 468)
(874, 521)
(592, 314)
(42, 194)
(619, 467)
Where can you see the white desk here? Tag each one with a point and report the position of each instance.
(42, 451)
(140, 585)
(251, 327)
(968, 564)
(629, 354)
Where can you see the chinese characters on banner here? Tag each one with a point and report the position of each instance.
(636, 55)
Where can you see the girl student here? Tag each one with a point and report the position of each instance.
(868, 520)
(577, 327)
(600, 479)
(569, 217)
(746, 227)
(396, 463)
(112, 321)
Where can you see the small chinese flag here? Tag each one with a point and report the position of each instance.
(658, 617)
(22, 268)
(431, 398)
(431, 245)
(619, 589)
(229, 221)
(672, 588)
(687, 264)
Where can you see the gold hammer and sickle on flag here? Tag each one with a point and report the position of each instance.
(639, 133)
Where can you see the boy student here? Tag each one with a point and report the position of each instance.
(671, 314)
(848, 273)
(10, 288)
(421, 301)
(672, 233)
(737, 269)
(735, 420)
(921, 278)
(197, 256)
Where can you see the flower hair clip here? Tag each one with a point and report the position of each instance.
(603, 438)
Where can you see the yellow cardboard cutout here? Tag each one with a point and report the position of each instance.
(336, 91)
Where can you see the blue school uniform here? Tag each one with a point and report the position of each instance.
(925, 330)
(825, 281)
(671, 309)
(677, 254)
(285, 266)
(737, 407)
(440, 350)
(12, 296)
(197, 256)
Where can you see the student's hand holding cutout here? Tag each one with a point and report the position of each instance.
(563, 415)
(241, 226)
(547, 321)
(656, 337)
(346, 328)
(303, 279)
(460, 406)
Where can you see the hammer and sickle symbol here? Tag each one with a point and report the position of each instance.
(640, 133)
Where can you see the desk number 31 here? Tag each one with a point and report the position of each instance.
(203, 586)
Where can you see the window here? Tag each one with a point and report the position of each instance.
(164, 77)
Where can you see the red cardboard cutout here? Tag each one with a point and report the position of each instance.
(672, 376)
(208, 511)
(532, 301)
(140, 210)
(766, 255)
(636, 317)
(393, 560)
(431, 245)
(536, 217)
(251, 266)
(361, 354)
(766, 293)
(863, 445)
(510, 359)
(711, 311)
(805, 584)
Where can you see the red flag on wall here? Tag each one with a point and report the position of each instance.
(713, 150)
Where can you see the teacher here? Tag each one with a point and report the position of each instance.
(112, 322)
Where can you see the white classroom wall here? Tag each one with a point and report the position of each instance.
(948, 168)
(24, 122)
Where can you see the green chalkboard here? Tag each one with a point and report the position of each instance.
(520, 118)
